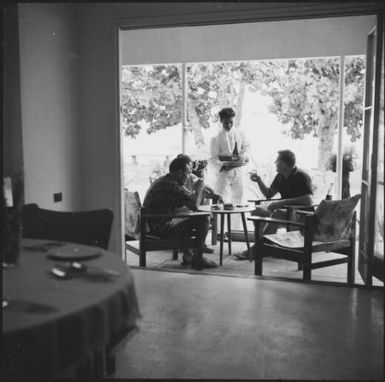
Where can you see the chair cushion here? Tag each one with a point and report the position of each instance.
(132, 207)
(295, 239)
(332, 219)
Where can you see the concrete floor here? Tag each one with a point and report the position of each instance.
(233, 267)
(219, 327)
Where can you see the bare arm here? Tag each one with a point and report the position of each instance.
(197, 196)
(268, 192)
(305, 200)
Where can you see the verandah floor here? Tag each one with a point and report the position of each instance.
(162, 260)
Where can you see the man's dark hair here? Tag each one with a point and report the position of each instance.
(185, 156)
(179, 163)
(287, 156)
(227, 112)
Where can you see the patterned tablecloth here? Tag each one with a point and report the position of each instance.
(50, 323)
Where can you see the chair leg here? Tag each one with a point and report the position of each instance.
(257, 249)
(99, 362)
(351, 267)
(257, 253)
(307, 252)
(110, 364)
(142, 258)
(307, 272)
(214, 230)
(352, 252)
(175, 254)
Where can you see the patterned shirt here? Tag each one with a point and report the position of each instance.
(297, 184)
(165, 196)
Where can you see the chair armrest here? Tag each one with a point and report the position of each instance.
(275, 221)
(258, 201)
(306, 213)
(301, 207)
(173, 216)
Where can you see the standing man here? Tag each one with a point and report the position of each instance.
(229, 152)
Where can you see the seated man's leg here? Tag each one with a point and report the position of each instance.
(185, 228)
(273, 228)
(183, 210)
(268, 228)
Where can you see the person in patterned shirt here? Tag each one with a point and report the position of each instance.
(167, 195)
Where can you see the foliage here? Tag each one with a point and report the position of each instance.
(304, 93)
(151, 94)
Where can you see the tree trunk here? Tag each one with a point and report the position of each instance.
(326, 133)
(195, 125)
(238, 111)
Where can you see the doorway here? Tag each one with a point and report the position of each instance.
(185, 137)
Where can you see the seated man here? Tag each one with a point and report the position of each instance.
(191, 186)
(166, 195)
(292, 183)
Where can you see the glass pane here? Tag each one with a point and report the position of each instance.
(151, 120)
(279, 104)
(352, 134)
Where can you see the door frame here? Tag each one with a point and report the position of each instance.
(277, 13)
(370, 155)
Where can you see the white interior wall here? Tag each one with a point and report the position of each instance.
(247, 41)
(49, 104)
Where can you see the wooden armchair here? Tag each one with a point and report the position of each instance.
(150, 242)
(331, 228)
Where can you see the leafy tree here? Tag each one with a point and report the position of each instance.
(152, 94)
(304, 96)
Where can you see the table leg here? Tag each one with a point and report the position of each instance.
(246, 235)
(229, 231)
(214, 229)
(222, 237)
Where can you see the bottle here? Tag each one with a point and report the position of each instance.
(235, 151)
(328, 194)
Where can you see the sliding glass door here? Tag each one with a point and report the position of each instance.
(371, 220)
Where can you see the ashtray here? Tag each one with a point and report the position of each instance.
(228, 206)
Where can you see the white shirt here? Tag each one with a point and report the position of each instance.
(223, 144)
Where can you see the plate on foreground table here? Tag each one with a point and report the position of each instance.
(74, 252)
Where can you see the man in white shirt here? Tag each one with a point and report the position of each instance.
(229, 145)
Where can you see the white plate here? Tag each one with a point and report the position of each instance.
(74, 252)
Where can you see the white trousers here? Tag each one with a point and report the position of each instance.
(229, 184)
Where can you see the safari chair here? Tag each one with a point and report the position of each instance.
(83, 227)
(331, 228)
(150, 242)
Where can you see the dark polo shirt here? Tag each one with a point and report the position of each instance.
(297, 184)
